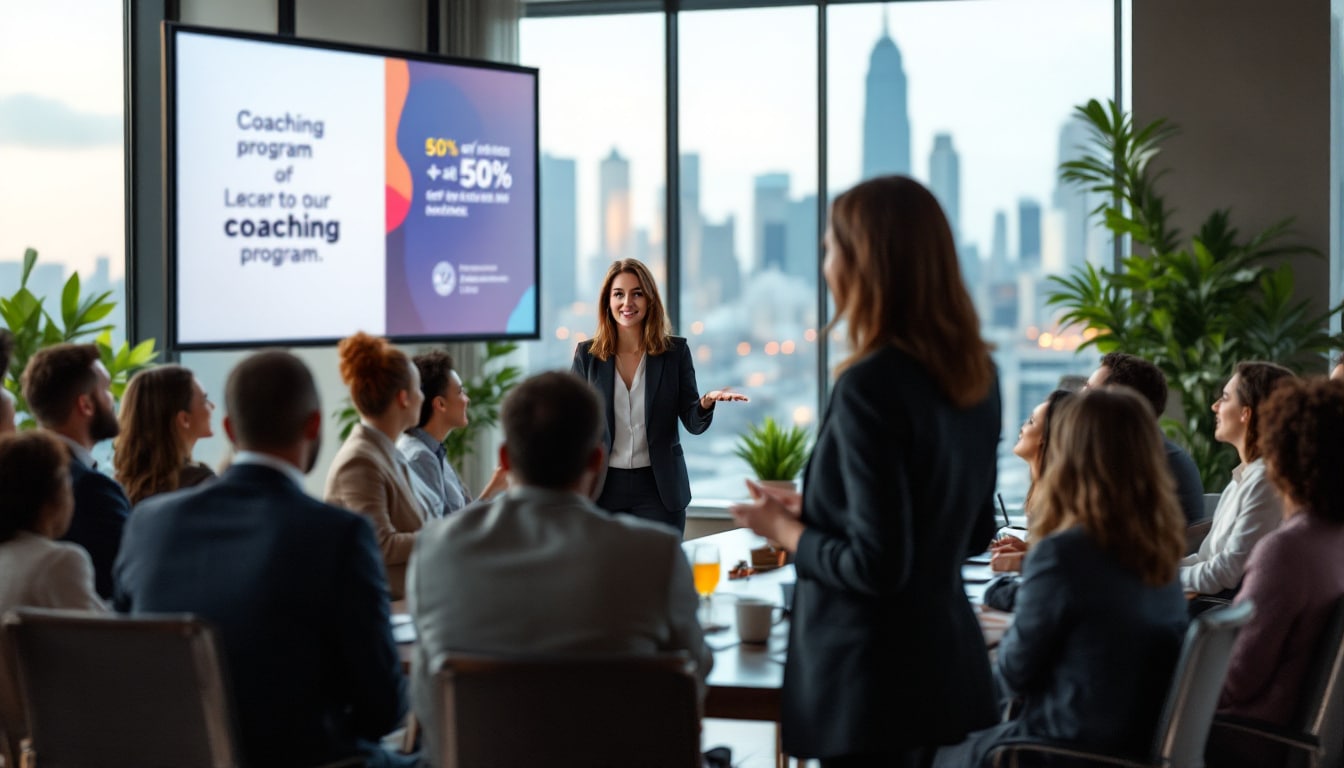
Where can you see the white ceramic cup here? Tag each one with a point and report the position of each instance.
(755, 617)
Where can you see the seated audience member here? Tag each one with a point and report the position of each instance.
(1248, 508)
(293, 586)
(69, 393)
(1120, 369)
(164, 411)
(445, 408)
(1032, 439)
(35, 507)
(1296, 573)
(1100, 614)
(550, 572)
(7, 410)
(369, 475)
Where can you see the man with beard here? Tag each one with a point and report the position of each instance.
(294, 586)
(69, 393)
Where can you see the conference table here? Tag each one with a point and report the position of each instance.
(746, 679)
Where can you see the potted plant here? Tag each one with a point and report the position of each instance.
(775, 453)
(1193, 307)
(80, 316)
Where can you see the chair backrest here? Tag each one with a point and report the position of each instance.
(1196, 684)
(511, 712)
(118, 692)
(1322, 713)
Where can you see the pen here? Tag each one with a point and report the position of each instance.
(1004, 509)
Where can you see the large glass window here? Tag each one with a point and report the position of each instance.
(603, 149)
(61, 154)
(749, 239)
(975, 100)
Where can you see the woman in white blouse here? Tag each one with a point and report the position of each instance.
(36, 503)
(1248, 508)
(647, 380)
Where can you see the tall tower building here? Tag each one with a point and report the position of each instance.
(998, 250)
(886, 122)
(771, 212)
(614, 188)
(1028, 233)
(1081, 242)
(559, 233)
(692, 238)
(945, 180)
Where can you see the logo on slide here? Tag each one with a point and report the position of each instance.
(445, 278)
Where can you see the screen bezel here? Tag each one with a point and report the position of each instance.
(169, 32)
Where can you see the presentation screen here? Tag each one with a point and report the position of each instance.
(314, 190)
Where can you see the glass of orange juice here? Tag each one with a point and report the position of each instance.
(705, 569)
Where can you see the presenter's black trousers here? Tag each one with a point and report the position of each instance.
(635, 492)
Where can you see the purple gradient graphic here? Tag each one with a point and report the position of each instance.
(465, 106)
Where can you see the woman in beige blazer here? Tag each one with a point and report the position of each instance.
(36, 503)
(369, 475)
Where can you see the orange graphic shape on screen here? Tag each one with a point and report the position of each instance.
(398, 173)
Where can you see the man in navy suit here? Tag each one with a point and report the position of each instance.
(295, 587)
(69, 393)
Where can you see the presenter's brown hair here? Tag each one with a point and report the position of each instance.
(657, 326)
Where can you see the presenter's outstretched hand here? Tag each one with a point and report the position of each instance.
(771, 516)
(726, 394)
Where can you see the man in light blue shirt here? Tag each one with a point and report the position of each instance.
(437, 487)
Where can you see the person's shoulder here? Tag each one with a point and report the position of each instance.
(584, 348)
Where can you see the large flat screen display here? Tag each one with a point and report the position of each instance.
(314, 190)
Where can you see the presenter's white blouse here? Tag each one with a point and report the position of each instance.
(630, 438)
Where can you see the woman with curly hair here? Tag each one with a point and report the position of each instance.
(1295, 574)
(36, 504)
(164, 411)
(369, 475)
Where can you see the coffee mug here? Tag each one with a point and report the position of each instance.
(755, 617)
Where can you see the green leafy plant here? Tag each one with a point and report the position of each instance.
(1193, 308)
(80, 316)
(486, 391)
(772, 451)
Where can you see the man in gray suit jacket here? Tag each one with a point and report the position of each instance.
(540, 569)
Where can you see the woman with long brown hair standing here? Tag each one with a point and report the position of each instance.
(886, 658)
(647, 380)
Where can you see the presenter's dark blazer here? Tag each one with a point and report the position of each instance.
(670, 393)
(296, 590)
(1090, 653)
(101, 511)
(885, 652)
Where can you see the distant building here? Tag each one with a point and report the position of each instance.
(802, 243)
(614, 191)
(559, 234)
(1029, 234)
(770, 204)
(945, 180)
(721, 280)
(692, 238)
(886, 121)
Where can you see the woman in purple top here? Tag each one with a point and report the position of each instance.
(1296, 573)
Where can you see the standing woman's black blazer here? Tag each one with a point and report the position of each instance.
(669, 393)
(885, 652)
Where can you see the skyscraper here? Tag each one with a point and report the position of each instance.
(771, 211)
(1081, 242)
(691, 223)
(998, 250)
(559, 234)
(721, 280)
(945, 180)
(802, 244)
(1028, 233)
(886, 122)
(614, 188)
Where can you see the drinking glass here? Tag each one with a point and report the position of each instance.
(705, 569)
